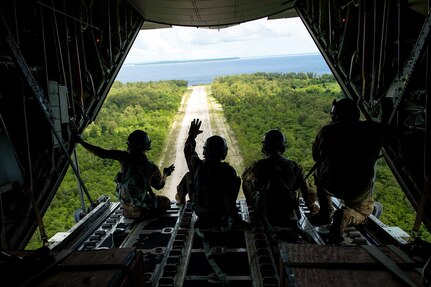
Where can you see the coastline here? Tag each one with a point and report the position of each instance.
(218, 59)
(205, 71)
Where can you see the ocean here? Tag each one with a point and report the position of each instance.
(205, 71)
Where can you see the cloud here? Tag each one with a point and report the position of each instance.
(255, 38)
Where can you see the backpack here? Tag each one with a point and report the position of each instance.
(133, 187)
(277, 202)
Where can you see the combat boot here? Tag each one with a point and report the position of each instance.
(377, 209)
(341, 220)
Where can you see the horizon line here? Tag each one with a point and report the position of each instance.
(216, 59)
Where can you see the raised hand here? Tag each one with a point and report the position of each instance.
(168, 170)
(195, 128)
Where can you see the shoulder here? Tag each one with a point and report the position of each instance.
(249, 170)
(228, 168)
(195, 161)
(260, 164)
(120, 155)
(142, 160)
(226, 165)
(339, 129)
(325, 129)
(152, 165)
(291, 164)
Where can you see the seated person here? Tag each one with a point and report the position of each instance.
(271, 185)
(345, 152)
(215, 184)
(136, 177)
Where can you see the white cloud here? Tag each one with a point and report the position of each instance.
(256, 38)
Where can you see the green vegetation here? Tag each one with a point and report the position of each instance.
(298, 105)
(148, 106)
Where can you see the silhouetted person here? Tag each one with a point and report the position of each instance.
(345, 152)
(214, 183)
(136, 177)
(185, 187)
(271, 186)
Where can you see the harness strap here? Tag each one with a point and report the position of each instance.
(314, 167)
(294, 196)
(222, 277)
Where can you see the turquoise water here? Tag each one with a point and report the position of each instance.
(204, 72)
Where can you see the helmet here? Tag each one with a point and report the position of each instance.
(215, 147)
(139, 140)
(344, 109)
(273, 141)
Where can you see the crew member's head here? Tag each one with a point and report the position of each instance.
(273, 143)
(344, 109)
(215, 148)
(138, 141)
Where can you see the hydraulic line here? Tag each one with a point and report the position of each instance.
(364, 36)
(81, 192)
(384, 39)
(60, 54)
(370, 95)
(70, 87)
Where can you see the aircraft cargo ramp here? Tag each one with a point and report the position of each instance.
(169, 251)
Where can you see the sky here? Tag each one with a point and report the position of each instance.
(251, 39)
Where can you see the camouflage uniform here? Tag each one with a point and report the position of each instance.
(281, 210)
(133, 208)
(346, 152)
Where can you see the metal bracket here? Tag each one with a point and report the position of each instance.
(399, 86)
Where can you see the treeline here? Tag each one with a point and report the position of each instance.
(298, 105)
(149, 106)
